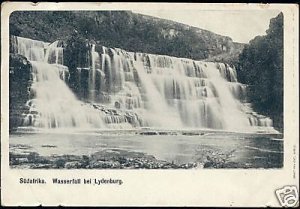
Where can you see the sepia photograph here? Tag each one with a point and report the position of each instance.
(98, 94)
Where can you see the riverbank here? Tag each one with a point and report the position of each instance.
(140, 151)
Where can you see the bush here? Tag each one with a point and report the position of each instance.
(260, 66)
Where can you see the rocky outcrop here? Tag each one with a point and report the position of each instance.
(231, 57)
(20, 80)
(123, 29)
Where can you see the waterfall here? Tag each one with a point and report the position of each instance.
(54, 102)
(159, 113)
(128, 89)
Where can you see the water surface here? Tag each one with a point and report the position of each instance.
(242, 150)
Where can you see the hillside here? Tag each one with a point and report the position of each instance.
(124, 29)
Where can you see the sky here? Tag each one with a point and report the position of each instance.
(241, 26)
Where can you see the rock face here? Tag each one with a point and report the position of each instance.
(231, 57)
(20, 80)
(123, 29)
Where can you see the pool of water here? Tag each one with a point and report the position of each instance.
(245, 150)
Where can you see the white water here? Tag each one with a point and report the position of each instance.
(163, 91)
(159, 113)
(183, 93)
(53, 100)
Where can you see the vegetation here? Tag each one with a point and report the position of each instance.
(261, 67)
(122, 29)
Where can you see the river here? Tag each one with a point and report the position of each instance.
(181, 149)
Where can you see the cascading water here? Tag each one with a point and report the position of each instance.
(140, 89)
(174, 92)
(54, 102)
(159, 114)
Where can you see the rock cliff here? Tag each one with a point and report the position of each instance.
(123, 29)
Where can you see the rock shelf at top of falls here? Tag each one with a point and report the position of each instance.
(118, 89)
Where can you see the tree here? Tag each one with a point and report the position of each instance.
(261, 67)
